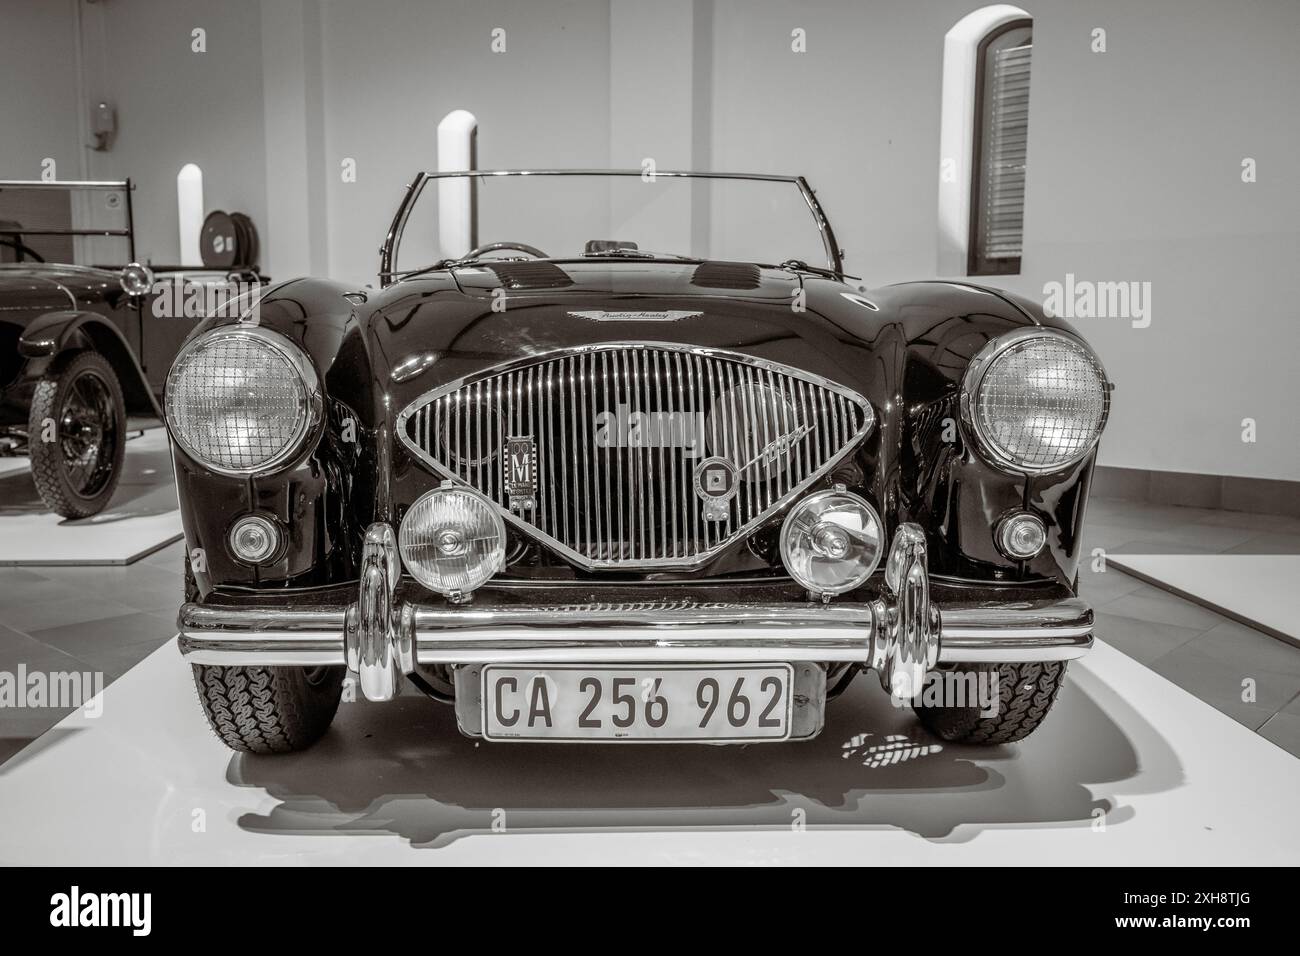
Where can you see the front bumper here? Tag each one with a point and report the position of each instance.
(901, 634)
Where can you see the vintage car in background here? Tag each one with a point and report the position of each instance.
(631, 470)
(81, 346)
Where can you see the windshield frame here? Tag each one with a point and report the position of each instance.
(388, 251)
(125, 186)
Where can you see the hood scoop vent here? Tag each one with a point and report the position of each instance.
(740, 276)
(529, 275)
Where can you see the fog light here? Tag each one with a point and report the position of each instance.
(832, 541)
(1021, 536)
(452, 540)
(254, 539)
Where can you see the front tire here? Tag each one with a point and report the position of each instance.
(1026, 693)
(76, 435)
(269, 710)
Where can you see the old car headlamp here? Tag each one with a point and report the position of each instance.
(136, 279)
(452, 540)
(832, 541)
(1036, 400)
(242, 399)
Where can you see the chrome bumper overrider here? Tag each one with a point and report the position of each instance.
(901, 635)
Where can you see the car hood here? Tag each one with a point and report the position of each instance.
(62, 285)
(440, 328)
(435, 329)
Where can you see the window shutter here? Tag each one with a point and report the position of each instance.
(1002, 190)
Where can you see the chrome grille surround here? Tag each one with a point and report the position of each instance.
(627, 508)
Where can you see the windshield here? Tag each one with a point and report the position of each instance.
(454, 217)
(72, 223)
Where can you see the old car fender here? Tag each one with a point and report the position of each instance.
(924, 335)
(323, 502)
(57, 332)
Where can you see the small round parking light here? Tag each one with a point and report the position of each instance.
(254, 539)
(1021, 536)
(831, 542)
(452, 540)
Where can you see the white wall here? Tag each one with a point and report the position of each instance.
(173, 105)
(38, 111)
(176, 106)
(393, 68)
(1134, 174)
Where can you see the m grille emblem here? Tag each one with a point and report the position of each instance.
(521, 473)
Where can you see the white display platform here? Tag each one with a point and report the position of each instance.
(1260, 590)
(1129, 769)
(140, 519)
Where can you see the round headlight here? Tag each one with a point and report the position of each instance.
(832, 541)
(1037, 400)
(241, 399)
(136, 279)
(452, 540)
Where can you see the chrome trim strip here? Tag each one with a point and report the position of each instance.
(702, 645)
(707, 632)
(65, 183)
(1014, 649)
(832, 411)
(1070, 617)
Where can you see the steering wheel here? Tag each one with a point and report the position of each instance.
(21, 248)
(477, 253)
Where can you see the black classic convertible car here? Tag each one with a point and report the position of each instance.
(85, 346)
(634, 469)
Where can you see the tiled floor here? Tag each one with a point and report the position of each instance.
(109, 618)
(97, 619)
(1248, 675)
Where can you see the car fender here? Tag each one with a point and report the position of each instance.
(54, 333)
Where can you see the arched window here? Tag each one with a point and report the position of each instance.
(189, 213)
(982, 141)
(1001, 135)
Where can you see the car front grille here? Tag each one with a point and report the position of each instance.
(631, 446)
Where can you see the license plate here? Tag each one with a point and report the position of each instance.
(638, 702)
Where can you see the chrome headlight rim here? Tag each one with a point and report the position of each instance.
(135, 279)
(490, 510)
(973, 380)
(816, 498)
(308, 423)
